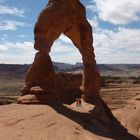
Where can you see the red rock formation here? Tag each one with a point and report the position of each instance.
(66, 89)
(41, 72)
(68, 17)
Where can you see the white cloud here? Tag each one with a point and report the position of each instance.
(91, 7)
(24, 46)
(122, 46)
(117, 12)
(22, 36)
(11, 24)
(16, 53)
(65, 39)
(94, 22)
(23, 52)
(65, 51)
(4, 37)
(11, 10)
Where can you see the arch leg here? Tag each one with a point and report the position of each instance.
(81, 36)
(41, 72)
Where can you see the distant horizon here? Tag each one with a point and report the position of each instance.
(74, 64)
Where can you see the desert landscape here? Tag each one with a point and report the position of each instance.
(121, 93)
(45, 100)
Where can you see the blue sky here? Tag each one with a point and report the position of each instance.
(116, 31)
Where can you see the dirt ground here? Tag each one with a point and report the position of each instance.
(118, 95)
(39, 122)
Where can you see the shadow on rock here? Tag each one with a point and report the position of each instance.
(99, 121)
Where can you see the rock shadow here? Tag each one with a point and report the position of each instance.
(113, 130)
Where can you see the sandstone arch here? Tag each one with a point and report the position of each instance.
(68, 17)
